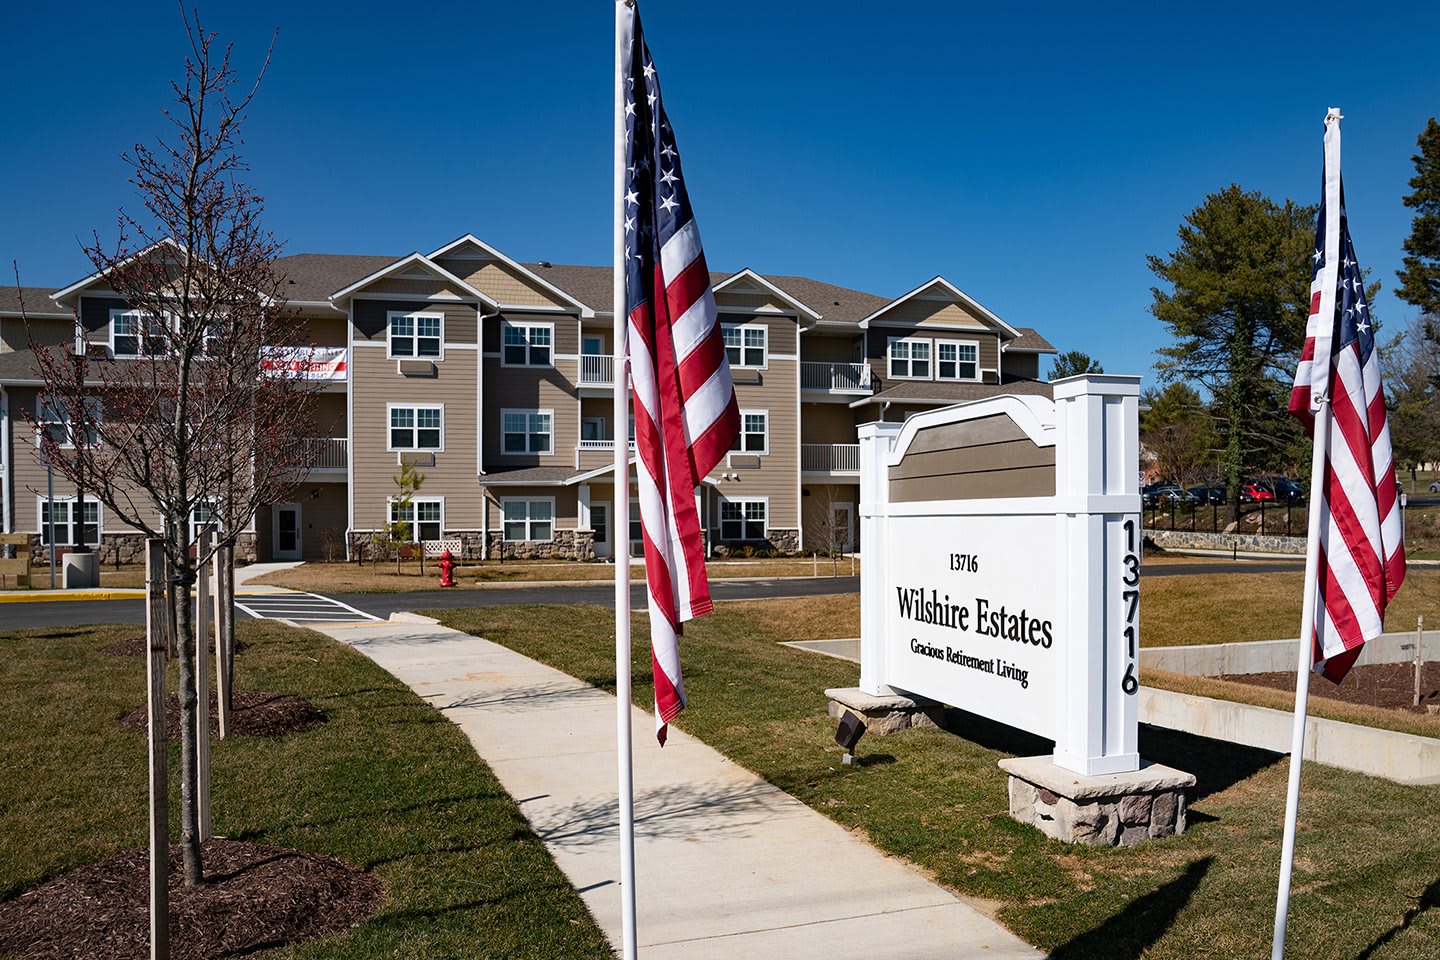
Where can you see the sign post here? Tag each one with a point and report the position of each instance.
(1002, 539)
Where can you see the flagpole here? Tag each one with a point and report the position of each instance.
(1321, 405)
(1302, 677)
(620, 525)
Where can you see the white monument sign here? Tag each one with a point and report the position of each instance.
(1002, 541)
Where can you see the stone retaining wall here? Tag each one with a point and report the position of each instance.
(1245, 542)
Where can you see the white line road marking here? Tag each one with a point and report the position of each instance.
(309, 607)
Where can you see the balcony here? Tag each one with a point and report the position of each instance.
(601, 444)
(830, 459)
(842, 380)
(597, 370)
(326, 454)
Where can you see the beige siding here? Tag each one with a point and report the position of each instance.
(502, 283)
(374, 384)
(370, 319)
(429, 287)
(749, 300)
(782, 331)
(534, 388)
(323, 330)
(28, 475)
(922, 312)
(976, 459)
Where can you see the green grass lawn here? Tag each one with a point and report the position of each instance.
(1368, 866)
(387, 784)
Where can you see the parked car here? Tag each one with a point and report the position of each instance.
(1208, 495)
(1255, 492)
(1435, 487)
(1285, 489)
(1155, 494)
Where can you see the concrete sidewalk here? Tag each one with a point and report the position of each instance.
(727, 865)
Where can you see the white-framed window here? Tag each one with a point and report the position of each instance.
(135, 333)
(527, 431)
(528, 518)
(416, 335)
(909, 358)
(754, 436)
(526, 344)
(68, 521)
(957, 360)
(416, 427)
(743, 519)
(746, 344)
(53, 420)
(203, 515)
(424, 517)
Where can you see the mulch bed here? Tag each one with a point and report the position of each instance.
(139, 646)
(1390, 685)
(256, 714)
(255, 898)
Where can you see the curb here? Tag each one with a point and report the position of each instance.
(42, 596)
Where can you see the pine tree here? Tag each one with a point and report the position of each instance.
(1073, 363)
(1238, 300)
(1420, 276)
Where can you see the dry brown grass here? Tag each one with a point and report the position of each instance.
(1234, 607)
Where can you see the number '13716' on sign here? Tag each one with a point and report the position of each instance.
(1130, 598)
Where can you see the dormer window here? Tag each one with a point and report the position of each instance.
(909, 358)
(135, 333)
(957, 360)
(415, 336)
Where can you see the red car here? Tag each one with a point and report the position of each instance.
(1255, 493)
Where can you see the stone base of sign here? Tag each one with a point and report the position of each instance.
(884, 715)
(1118, 809)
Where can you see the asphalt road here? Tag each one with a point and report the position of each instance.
(17, 616)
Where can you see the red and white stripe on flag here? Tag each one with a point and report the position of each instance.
(1361, 554)
(686, 415)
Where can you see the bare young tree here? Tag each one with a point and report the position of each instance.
(203, 416)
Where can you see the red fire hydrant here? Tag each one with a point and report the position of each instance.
(446, 563)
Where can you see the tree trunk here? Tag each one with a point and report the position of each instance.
(189, 747)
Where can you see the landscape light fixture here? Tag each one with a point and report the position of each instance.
(852, 728)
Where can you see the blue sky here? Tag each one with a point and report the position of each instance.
(1032, 155)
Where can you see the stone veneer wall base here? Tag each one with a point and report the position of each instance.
(1118, 809)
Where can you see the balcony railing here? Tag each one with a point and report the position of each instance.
(328, 453)
(830, 457)
(835, 377)
(597, 370)
(601, 445)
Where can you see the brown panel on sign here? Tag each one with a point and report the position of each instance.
(977, 459)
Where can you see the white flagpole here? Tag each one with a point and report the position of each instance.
(620, 526)
(1329, 275)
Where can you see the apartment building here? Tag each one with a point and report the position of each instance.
(495, 379)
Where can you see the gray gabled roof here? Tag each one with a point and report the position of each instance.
(36, 300)
(1031, 341)
(313, 277)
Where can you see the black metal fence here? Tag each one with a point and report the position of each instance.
(1264, 517)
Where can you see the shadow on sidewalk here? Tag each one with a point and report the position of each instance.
(699, 811)
(1134, 930)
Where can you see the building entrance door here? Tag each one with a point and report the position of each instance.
(844, 527)
(285, 544)
(600, 523)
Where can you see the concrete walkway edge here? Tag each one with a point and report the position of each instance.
(727, 864)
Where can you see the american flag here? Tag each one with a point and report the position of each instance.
(686, 417)
(1361, 556)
